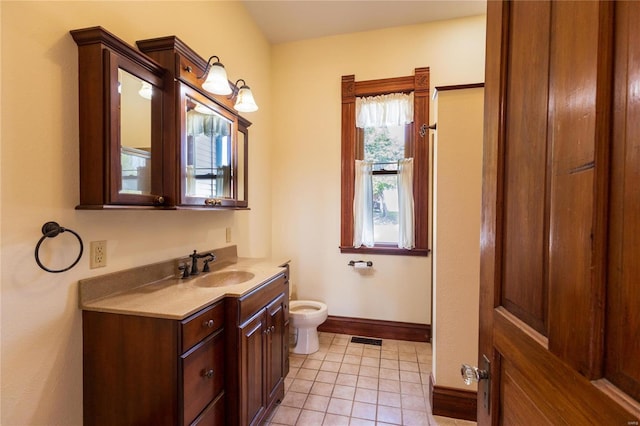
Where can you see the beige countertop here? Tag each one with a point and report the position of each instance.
(141, 293)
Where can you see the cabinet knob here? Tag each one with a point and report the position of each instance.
(159, 200)
(213, 202)
(272, 329)
(207, 373)
(208, 324)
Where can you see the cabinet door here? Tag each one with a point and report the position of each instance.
(252, 365)
(275, 346)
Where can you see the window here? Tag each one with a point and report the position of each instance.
(380, 149)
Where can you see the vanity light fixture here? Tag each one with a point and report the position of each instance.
(244, 98)
(216, 81)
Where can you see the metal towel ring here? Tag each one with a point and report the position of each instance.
(50, 230)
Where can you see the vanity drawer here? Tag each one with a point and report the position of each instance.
(202, 375)
(200, 325)
(261, 296)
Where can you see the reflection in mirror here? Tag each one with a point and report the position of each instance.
(209, 154)
(135, 133)
(241, 172)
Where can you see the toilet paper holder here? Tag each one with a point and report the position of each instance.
(367, 262)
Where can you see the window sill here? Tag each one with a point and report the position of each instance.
(386, 249)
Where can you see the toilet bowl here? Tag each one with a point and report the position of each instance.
(306, 316)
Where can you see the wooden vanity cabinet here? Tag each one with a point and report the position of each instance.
(257, 351)
(120, 124)
(154, 371)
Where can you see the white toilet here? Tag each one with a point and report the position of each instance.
(306, 316)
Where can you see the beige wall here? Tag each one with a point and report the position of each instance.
(41, 324)
(294, 175)
(456, 272)
(306, 174)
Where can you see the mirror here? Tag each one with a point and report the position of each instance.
(209, 153)
(213, 167)
(135, 133)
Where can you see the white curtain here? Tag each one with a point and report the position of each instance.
(395, 109)
(363, 205)
(406, 219)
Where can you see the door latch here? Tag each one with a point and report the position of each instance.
(472, 374)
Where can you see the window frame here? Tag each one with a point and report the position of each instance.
(417, 147)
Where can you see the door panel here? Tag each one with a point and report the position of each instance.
(623, 297)
(252, 365)
(545, 218)
(275, 356)
(525, 157)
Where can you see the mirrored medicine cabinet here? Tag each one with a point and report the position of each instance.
(149, 138)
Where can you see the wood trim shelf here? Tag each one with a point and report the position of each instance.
(377, 328)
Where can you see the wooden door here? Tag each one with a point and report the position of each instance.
(252, 365)
(275, 346)
(557, 317)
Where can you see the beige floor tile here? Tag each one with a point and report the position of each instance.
(389, 414)
(389, 363)
(390, 399)
(350, 368)
(330, 366)
(370, 361)
(387, 373)
(410, 376)
(313, 364)
(310, 418)
(339, 349)
(295, 361)
(354, 350)
(347, 379)
(415, 418)
(408, 356)
(361, 422)
(340, 406)
(335, 420)
(374, 353)
(307, 374)
(411, 388)
(320, 355)
(369, 371)
(363, 410)
(286, 415)
(352, 359)
(414, 402)
(390, 385)
(385, 354)
(366, 395)
(367, 382)
(323, 389)
(316, 403)
(334, 357)
(343, 392)
(326, 376)
(301, 385)
(444, 421)
(341, 340)
(294, 399)
(408, 366)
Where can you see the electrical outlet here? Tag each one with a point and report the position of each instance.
(98, 253)
(228, 235)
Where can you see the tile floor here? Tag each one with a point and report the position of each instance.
(348, 383)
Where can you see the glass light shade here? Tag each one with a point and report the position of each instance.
(217, 81)
(145, 90)
(203, 109)
(245, 102)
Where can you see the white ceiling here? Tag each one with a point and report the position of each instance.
(290, 20)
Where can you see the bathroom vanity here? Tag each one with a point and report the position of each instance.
(211, 349)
